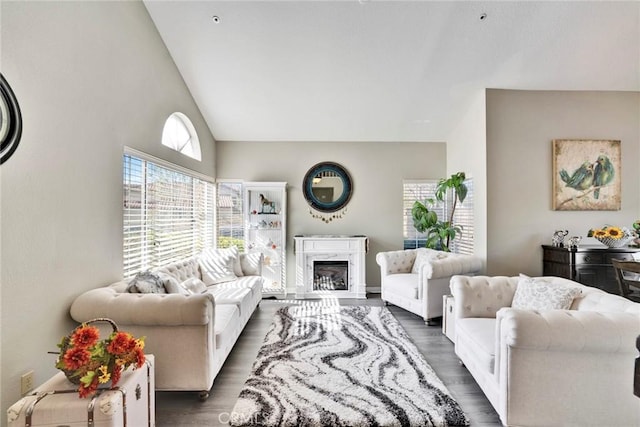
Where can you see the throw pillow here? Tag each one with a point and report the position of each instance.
(146, 283)
(194, 285)
(539, 294)
(217, 266)
(237, 268)
(172, 286)
(251, 263)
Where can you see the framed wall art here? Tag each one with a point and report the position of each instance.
(586, 175)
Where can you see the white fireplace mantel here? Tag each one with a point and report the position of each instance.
(349, 249)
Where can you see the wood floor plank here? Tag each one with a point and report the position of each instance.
(178, 409)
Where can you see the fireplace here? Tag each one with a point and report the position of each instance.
(330, 275)
(330, 266)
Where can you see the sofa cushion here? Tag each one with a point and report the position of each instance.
(480, 333)
(403, 284)
(254, 283)
(239, 297)
(217, 266)
(540, 294)
(194, 286)
(225, 318)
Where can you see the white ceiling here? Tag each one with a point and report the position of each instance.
(385, 70)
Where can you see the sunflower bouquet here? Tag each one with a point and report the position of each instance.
(88, 361)
(613, 237)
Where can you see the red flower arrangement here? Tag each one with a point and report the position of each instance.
(89, 361)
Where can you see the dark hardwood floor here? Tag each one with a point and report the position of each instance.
(176, 409)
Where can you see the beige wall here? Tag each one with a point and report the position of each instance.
(90, 77)
(466, 152)
(520, 128)
(377, 171)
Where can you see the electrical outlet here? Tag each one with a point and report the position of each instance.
(26, 382)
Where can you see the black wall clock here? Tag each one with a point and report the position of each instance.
(10, 121)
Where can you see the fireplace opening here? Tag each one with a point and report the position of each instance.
(330, 275)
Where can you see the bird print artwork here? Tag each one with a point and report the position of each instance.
(603, 174)
(586, 175)
(581, 179)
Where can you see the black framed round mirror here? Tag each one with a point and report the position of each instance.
(327, 187)
(10, 121)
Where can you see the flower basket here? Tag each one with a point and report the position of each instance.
(615, 243)
(613, 237)
(88, 361)
(66, 344)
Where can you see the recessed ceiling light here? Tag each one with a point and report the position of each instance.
(216, 19)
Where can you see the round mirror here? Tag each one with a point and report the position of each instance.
(10, 121)
(327, 187)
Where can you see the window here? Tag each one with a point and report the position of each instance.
(180, 135)
(229, 218)
(425, 189)
(168, 213)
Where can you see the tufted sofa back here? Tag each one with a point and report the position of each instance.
(183, 270)
(483, 296)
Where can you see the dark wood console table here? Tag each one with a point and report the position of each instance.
(589, 265)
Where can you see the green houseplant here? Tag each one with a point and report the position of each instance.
(440, 233)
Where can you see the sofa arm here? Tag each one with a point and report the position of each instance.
(543, 357)
(144, 309)
(569, 330)
(481, 296)
(396, 262)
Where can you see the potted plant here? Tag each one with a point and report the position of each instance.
(440, 233)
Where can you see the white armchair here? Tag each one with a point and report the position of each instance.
(417, 279)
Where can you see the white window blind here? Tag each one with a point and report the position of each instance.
(168, 214)
(426, 189)
(229, 217)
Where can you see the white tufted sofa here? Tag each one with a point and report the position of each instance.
(550, 368)
(417, 279)
(189, 335)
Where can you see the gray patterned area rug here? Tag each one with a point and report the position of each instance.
(342, 366)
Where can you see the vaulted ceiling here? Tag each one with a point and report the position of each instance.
(385, 70)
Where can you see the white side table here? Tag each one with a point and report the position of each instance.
(448, 318)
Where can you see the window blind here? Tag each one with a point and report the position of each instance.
(229, 216)
(426, 189)
(168, 214)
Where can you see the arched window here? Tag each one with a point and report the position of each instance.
(180, 135)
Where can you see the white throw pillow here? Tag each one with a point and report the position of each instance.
(217, 266)
(251, 263)
(540, 294)
(194, 285)
(237, 268)
(172, 286)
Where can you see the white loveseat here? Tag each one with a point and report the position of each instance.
(190, 334)
(417, 279)
(549, 367)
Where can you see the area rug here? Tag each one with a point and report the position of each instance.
(342, 366)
